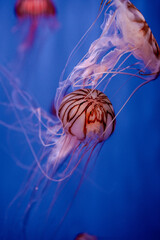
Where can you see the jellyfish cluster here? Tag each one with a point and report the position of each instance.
(86, 104)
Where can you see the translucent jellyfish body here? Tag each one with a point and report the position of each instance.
(125, 49)
(87, 118)
(60, 146)
(34, 11)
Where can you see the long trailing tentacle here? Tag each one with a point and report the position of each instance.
(92, 147)
(52, 129)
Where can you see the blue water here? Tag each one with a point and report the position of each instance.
(120, 199)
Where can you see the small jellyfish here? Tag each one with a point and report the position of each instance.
(34, 11)
(85, 236)
(125, 49)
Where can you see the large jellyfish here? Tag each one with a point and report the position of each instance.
(125, 50)
(88, 119)
(35, 11)
(85, 120)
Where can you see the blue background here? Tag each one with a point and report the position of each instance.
(121, 197)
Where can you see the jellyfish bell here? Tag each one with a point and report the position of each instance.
(34, 11)
(137, 34)
(34, 8)
(87, 113)
(125, 49)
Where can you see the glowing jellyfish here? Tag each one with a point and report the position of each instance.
(35, 11)
(125, 49)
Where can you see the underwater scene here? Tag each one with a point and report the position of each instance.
(79, 120)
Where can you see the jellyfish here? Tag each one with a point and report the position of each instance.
(35, 11)
(88, 119)
(66, 144)
(85, 236)
(36, 23)
(84, 119)
(125, 52)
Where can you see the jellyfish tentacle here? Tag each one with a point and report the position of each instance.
(28, 42)
(130, 96)
(64, 85)
(92, 147)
